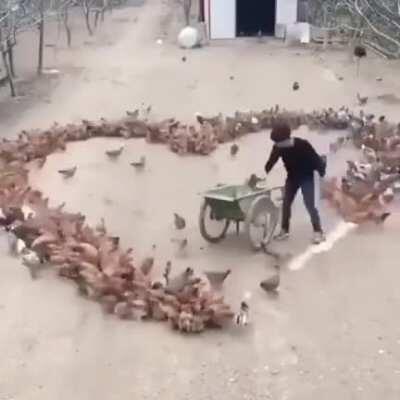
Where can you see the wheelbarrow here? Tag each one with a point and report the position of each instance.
(258, 208)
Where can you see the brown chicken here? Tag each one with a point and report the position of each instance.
(234, 149)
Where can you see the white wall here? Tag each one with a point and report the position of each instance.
(222, 19)
(286, 11)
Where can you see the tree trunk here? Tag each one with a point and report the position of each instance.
(59, 17)
(66, 26)
(325, 27)
(8, 72)
(86, 13)
(10, 52)
(96, 18)
(41, 39)
(104, 9)
(187, 6)
(326, 39)
(87, 22)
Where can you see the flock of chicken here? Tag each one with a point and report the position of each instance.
(369, 185)
(90, 257)
(95, 261)
(100, 268)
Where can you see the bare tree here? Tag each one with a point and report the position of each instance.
(24, 15)
(381, 20)
(87, 6)
(21, 15)
(187, 8)
(65, 19)
(99, 11)
(4, 51)
(61, 9)
(8, 27)
(375, 22)
(40, 26)
(10, 52)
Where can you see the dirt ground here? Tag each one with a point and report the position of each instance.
(331, 332)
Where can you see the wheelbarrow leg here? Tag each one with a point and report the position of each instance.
(237, 227)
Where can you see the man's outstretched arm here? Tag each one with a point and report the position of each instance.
(273, 158)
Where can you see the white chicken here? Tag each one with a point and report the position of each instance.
(31, 260)
(369, 154)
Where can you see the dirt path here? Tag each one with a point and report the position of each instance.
(330, 334)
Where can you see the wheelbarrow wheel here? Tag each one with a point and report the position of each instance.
(261, 221)
(206, 218)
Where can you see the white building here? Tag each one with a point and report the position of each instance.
(227, 19)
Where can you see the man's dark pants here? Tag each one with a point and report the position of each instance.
(306, 185)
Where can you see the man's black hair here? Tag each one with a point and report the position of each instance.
(281, 131)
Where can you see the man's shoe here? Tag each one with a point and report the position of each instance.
(282, 235)
(318, 238)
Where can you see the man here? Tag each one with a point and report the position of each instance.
(300, 160)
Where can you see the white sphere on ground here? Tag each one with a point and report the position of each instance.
(188, 37)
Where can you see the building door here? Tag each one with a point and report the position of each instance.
(255, 16)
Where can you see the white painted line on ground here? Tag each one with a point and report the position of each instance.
(341, 230)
